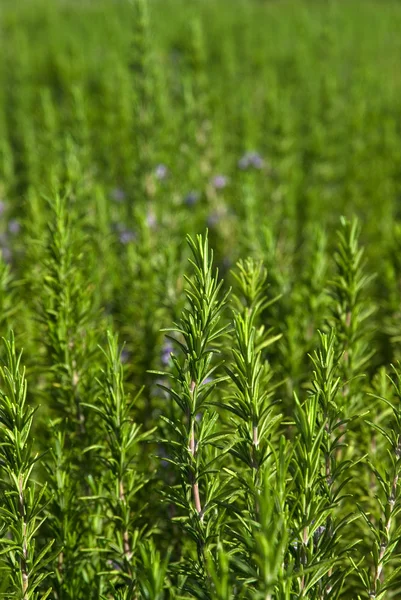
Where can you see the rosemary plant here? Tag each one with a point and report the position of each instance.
(381, 580)
(350, 308)
(193, 438)
(65, 312)
(121, 530)
(320, 474)
(252, 402)
(22, 499)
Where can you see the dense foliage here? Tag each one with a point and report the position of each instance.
(200, 284)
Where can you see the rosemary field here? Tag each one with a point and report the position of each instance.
(200, 286)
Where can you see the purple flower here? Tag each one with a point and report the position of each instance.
(251, 160)
(118, 195)
(243, 163)
(161, 172)
(220, 182)
(213, 219)
(6, 253)
(318, 533)
(2, 207)
(14, 226)
(227, 262)
(192, 198)
(125, 356)
(256, 160)
(114, 564)
(166, 353)
(127, 236)
(163, 455)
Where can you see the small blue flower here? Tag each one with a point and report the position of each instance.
(163, 455)
(243, 163)
(256, 160)
(6, 253)
(165, 356)
(125, 356)
(227, 262)
(161, 172)
(118, 195)
(14, 226)
(318, 533)
(127, 236)
(213, 219)
(220, 182)
(251, 160)
(191, 198)
(114, 565)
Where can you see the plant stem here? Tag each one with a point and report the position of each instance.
(192, 449)
(23, 560)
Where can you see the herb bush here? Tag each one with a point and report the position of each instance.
(200, 279)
